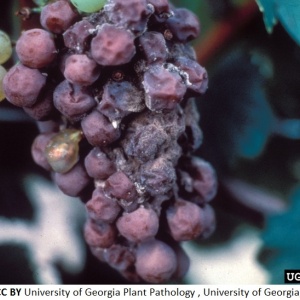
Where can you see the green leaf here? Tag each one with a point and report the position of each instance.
(267, 7)
(281, 240)
(288, 12)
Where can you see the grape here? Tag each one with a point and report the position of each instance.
(161, 6)
(183, 262)
(209, 221)
(155, 261)
(58, 16)
(185, 220)
(205, 181)
(99, 234)
(184, 25)
(164, 88)
(72, 100)
(36, 48)
(2, 74)
(154, 47)
(119, 257)
(139, 225)
(81, 70)
(6, 47)
(118, 185)
(101, 208)
(130, 14)
(43, 108)
(88, 6)
(77, 36)
(119, 99)
(38, 149)
(98, 130)
(112, 46)
(23, 85)
(197, 80)
(73, 182)
(98, 165)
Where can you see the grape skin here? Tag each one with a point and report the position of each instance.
(22, 85)
(36, 48)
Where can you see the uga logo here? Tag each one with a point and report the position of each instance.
(292, 276)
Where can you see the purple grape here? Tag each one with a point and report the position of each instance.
(38, 149)
(139, 225)
(161, 6)
(58, 16)
(101, 235)
(72, 100)
(101, 209)
(36, 48)
(196, 75)
(184, 25)
(185, 220)
(118, 185)
(205, 181)
(22, 85)
(119, 99)
(98, 165)
(119, 257)
(73, 182)
(98, 130)
(43, 109)
(164, 88)
(77, 36)
(130, 14)
(155, 261)
(154, 47)
(112, 46)
(81, 70)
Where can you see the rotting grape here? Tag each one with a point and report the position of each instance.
(111, 85)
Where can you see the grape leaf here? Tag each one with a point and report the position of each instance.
(281, 240)
(289, 16)
(287, 12)
(268, 9)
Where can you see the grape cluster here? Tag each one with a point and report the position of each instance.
(113, 93)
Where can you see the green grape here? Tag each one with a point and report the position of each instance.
(5, 47)
(2, 74)
(88, 6)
